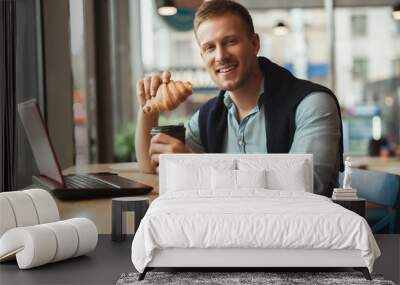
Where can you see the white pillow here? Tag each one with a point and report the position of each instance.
(183, 178)
(281, 175)
(223, 179)
(187, 176)
(251, 178)
(295, 180)
(237, 179)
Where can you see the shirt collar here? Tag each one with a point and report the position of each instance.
(229, 102)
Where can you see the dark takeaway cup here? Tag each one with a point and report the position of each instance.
(176, 131)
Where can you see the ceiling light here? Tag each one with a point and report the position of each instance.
(389, 101)
(166, 8)
(280, 29)
(396, 11)
(376, 128)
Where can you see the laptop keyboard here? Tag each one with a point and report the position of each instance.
(87, 182)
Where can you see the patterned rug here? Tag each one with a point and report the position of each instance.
(230, 278)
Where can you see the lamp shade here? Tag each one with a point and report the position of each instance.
(396, 11)
(280, 29)
(166, 8)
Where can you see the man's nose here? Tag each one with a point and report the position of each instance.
(221, 53)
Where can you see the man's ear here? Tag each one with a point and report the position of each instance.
(255, 41)
(201, 54)
(197, 40)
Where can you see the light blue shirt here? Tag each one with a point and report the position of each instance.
(317, 132)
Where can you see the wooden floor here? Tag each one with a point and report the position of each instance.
(389, 262)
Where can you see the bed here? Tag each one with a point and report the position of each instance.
(246, 211)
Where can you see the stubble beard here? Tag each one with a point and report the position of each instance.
(233, 85)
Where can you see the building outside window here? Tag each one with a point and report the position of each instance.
(359, 25)
(83, 85)
(397, 27)
(396, 67)
(360, 69)
(366, 81)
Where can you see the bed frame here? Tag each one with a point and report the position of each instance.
(250, 258)
(242, 259)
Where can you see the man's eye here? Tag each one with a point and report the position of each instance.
(208, 48)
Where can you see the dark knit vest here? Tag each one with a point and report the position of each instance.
(283, 93)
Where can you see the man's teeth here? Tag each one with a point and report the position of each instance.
(227, 69)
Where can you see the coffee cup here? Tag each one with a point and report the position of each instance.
(176, 131)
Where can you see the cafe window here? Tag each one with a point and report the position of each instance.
(302, 49)
(396, 67)
(83, 83)
(182, 57)
(397, 26)
(179, 54)
(359, 25)
(366, 74)
(360, 69)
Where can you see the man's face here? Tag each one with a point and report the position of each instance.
(228, 50)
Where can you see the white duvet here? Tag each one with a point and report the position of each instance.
(250, 219)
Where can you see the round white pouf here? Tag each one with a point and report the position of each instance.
(40, 244)
(6, 216)
(23, 208)
(46, 207)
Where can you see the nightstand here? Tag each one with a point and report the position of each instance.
(136, 204)
(357, 206)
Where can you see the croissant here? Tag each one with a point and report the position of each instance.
(168, 97)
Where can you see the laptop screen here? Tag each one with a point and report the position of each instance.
(38, 138)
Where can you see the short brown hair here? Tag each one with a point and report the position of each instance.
(214, 8)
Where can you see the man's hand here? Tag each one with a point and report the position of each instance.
(147, 87)
(162, 143)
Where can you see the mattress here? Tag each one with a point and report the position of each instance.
(250, 219)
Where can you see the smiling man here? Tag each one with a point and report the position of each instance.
(261, 108)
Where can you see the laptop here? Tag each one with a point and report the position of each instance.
(69, 187)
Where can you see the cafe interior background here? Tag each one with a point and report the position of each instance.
(353, 47)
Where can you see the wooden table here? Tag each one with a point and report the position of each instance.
(384, 164)
(99, 210)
